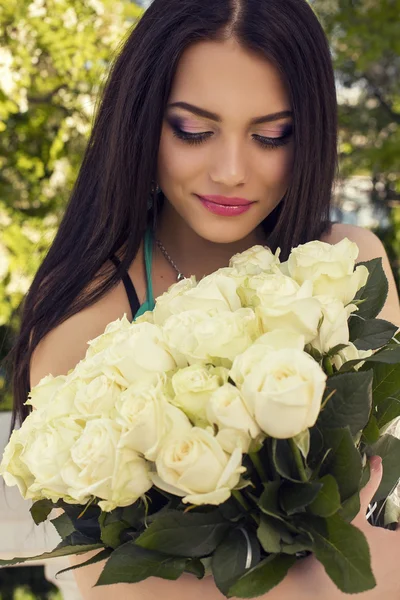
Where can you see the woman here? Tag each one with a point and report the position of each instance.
(217, 131)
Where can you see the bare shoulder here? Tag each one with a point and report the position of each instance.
(63, 347)
(370, 247)
(368, 242)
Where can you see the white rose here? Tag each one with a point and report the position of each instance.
(255, 260)
(329, 267)
(12, 468)
(88, 368)
(63, 401)
(146, 417)
(107, 338)
(200, 337)
(89, 470)
(334, 328)
(98, 397)
(227, 410)
(217, 292)
(280, 339)
(350, 353)
(43, 393)
(141, 355)
(146, 317)
(282, 304)
(163, 307)
(282, 389)
(102, 467)
(193, 387)
(130, 480)
(230, 439)
(196, 467)
(47, 450)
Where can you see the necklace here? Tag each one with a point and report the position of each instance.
(169, 259)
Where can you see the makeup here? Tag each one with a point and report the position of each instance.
(224, 206)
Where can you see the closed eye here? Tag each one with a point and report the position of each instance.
(265, 142)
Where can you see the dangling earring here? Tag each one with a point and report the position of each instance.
(155, 189)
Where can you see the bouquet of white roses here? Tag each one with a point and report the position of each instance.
(226, 432)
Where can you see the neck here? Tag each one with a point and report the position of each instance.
(193, 254)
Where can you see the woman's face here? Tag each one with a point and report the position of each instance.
(216, 144)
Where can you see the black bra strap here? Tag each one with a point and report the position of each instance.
(129, 287)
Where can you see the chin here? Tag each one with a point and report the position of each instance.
(224, 231)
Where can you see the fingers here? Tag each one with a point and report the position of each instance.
(370, 489)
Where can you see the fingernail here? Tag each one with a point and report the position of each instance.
(375, 463)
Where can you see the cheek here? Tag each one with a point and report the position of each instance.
(176, 162)
(277, 166)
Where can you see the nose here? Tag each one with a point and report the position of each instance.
(228, 164)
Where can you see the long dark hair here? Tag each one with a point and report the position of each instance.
(107, 210)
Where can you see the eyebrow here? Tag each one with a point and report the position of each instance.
(201, 112)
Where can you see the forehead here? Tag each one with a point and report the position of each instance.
(225, 78)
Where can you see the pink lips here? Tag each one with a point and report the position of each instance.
(225, 206)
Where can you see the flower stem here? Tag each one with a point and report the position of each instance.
(299, 460)
(255, 459)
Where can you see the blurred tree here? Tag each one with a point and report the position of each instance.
(54, 56)
(365, 40)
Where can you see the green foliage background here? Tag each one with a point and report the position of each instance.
(54, 56)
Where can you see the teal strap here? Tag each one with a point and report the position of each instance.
(149, 303)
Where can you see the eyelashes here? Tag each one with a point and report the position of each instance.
(194, 139)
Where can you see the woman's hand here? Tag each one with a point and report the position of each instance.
(310, 575)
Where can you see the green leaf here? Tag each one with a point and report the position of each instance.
(388, 448)
(387, 411)
(344, 462)
(130, 563)
(63, 525)
(60, 550)
(371, 432)
(375, 291)
(335, 350)
(262, 578)
(366, 475)
(77, 538)
(195, 567)
(294, 497)
(134, 514)
(386, 382)
(185, 534)
(350, 404)
(370, 334)
(269, 535)
(389, 355)
(327, 501)
(283, 460)
(350, 508)
(269, 502)
(102, 555)
(344, 552)
(301, 543)
(111, 530)
(40, 510)
(233, 557)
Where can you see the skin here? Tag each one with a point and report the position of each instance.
(238, 86)
(231, 162)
